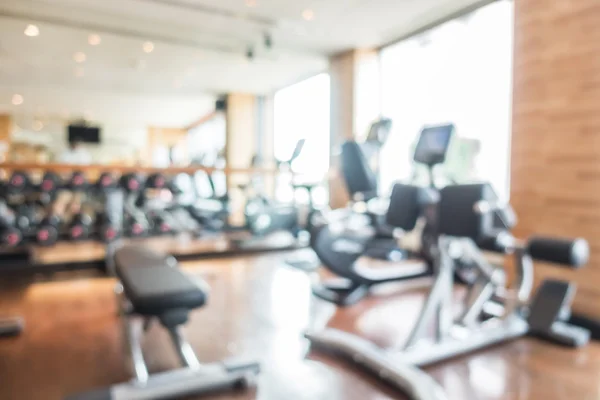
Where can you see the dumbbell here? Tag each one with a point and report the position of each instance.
(107, 231)
(131, 182)
(10, 235)
(47, 232)
(50, 183)
(80, 226)
(18, 183)
(156, 181)
(106, 181)
(25, 218)
(78, 181)
(161, 225)
(135, 228)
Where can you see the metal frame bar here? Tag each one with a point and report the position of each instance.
(399, 366)
(184, 349)
(193, 379)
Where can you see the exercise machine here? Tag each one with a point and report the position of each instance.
(339, 245)
(151, 289)
(264, 216)
(492, 314)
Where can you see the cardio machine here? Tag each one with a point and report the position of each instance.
(339, 245)
(264, 216)
(492, 312)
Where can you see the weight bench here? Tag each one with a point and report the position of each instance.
(150, 288)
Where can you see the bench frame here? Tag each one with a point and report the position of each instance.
(193, 378)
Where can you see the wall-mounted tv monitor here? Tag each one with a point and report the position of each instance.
(84, 134)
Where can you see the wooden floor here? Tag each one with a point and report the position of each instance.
(260, 307)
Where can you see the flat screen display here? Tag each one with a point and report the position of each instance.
(379, 131)
(433, 144)
(84, 133)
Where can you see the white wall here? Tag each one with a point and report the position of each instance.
(123, 117)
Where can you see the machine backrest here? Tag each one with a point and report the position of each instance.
(457, 215)
(407, 203)
(358, 175)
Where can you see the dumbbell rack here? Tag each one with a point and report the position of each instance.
(65, 255)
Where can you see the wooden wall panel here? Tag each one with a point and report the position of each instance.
(355, 103)
(555, 166)
(165, 137)
(6, 128)
(240, 145)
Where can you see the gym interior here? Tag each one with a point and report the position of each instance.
(259, 199)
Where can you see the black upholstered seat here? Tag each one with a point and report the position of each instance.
(153, 286)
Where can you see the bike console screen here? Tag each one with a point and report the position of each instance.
(433, 144)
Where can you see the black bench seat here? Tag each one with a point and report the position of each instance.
(153, 286)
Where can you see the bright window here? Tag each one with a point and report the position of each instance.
(459, 72)
(302, 111)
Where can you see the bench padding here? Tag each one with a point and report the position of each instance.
(153, 286)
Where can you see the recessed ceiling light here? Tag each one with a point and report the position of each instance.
(37, 125)
(148, 47)
(94, 39)
(308, 14)
(17, 99)
(32, 31)
(79, 72)
(251, 3)
(79, 57)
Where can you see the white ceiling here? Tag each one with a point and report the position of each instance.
(199, 45)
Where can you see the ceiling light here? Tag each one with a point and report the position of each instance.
(79, 57)
(17, 99)
(32, 31)
(37, 125)
(94, 39)
(148, 47)
(79, 72)
(251, 3)
(308, 14)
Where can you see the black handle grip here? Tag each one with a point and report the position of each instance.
(568, 252)
(498, 242)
